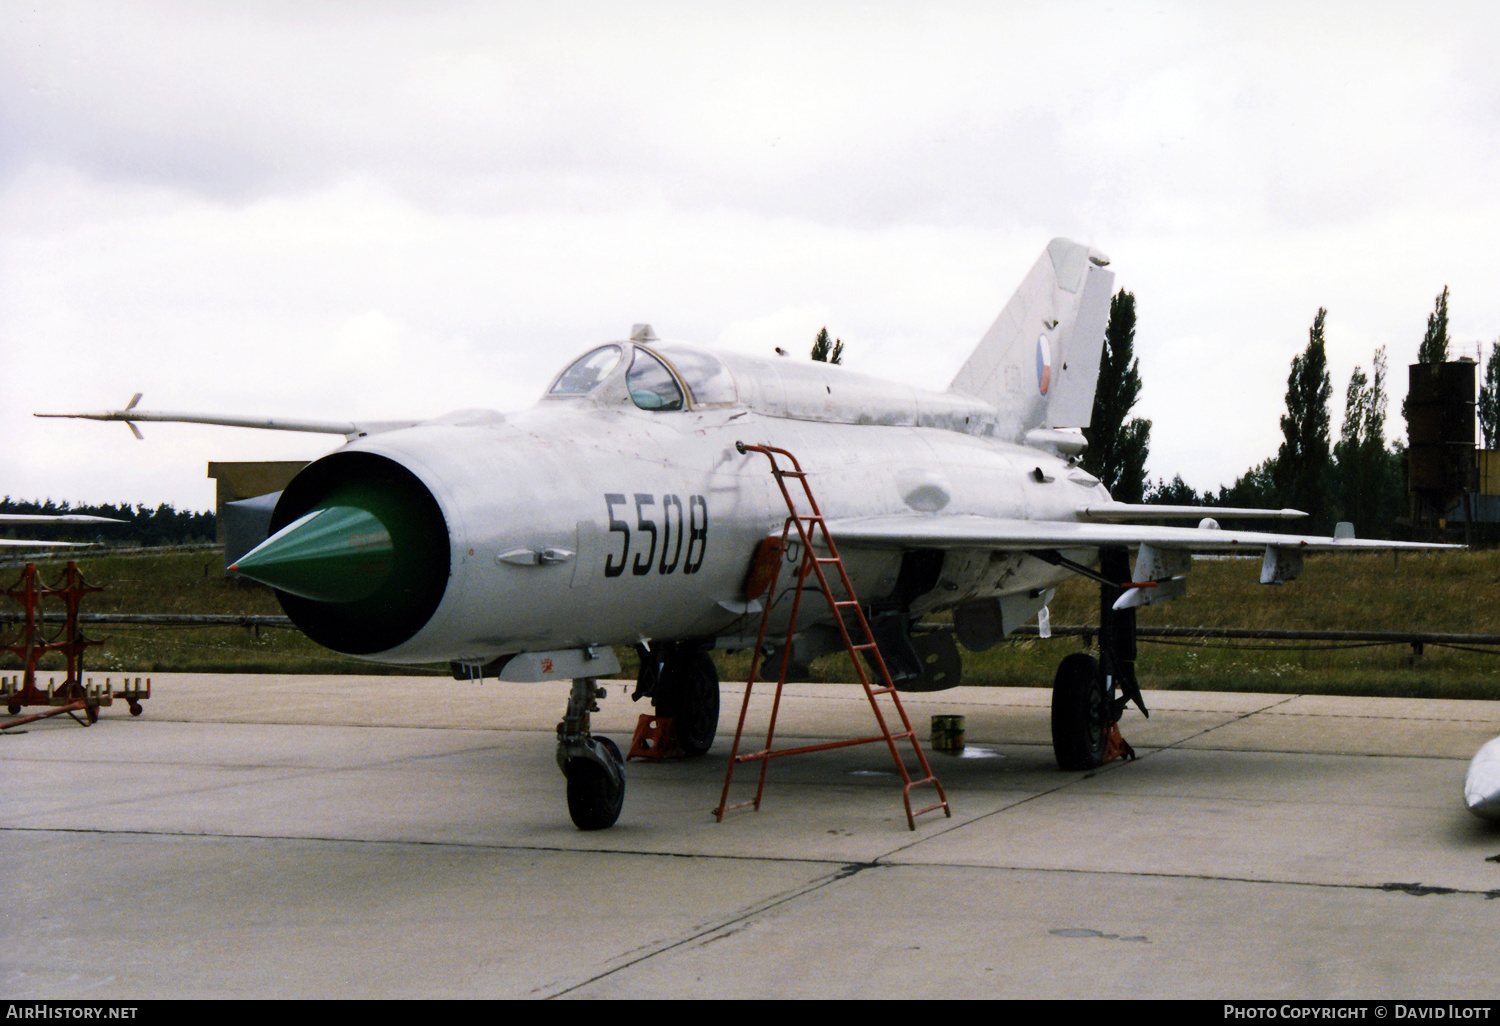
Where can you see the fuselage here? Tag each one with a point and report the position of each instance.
(618, 510)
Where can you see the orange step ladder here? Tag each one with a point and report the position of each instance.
(854, 627)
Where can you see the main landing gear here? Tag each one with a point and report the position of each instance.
(1089, 695)
(593, 765)
(684, 686)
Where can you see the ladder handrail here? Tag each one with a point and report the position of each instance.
(811, 564)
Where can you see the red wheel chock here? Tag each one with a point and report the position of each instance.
(1115, 746)
(655, 738)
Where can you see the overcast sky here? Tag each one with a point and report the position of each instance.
(390, 210)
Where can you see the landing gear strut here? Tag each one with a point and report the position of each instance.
(1088, 695)
(592, 765)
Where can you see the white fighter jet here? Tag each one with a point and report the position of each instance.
(622, 509)
(29, 520)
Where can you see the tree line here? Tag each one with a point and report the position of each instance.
(1360, 478)
(164, 525)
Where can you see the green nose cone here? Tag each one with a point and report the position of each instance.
(335, 554)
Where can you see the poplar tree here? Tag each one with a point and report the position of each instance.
(1303, 464)
(1367, 473)
(1434, 348)
(827, 352)
(1489, 399)
(1118, 447)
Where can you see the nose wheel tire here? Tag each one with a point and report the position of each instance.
(596, 792)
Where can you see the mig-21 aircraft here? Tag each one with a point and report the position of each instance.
(31, 520)
(623, 509)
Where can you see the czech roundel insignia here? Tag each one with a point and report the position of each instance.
(1043, 364)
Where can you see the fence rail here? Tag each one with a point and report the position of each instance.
(159, 619)
(1416, 639)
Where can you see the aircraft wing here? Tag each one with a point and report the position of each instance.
(33, 519)
(131, 416)
(25, 519)
(1163, 557)
(977, 532)
(22, 543)
(1128, 511)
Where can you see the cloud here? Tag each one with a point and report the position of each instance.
(386, 210)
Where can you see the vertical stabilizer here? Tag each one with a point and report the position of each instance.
(1039, 362)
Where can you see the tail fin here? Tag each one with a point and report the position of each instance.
(1039, 362)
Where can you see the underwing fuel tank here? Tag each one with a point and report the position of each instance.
(1482, 782)
(359, 553)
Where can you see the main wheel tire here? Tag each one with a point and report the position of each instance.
(688, 693)
(594, 797)
(1080, 714)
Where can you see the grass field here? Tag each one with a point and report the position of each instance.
(1448, 592)
(182, 582)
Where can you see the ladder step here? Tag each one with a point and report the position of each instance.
(749, 803)
(932, 808)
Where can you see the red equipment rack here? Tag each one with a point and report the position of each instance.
(73, 696)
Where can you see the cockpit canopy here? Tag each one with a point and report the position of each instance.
(658, 378)
(651, 384)
(665, 376)
(585, 373)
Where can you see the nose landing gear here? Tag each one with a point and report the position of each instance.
(593, 766)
